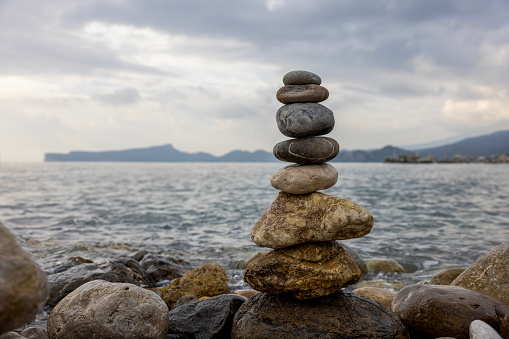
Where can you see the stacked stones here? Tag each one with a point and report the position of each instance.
(302, 225)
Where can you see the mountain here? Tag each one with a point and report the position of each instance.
(487, 145)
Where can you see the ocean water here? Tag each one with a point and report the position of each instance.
(427, 217)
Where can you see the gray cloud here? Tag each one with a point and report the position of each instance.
(122, 96)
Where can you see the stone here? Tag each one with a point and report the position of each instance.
(210, 318)
(446, 277)
(384, 265)
(11, 335)
(504, 327)
(301, 120)
(208, 280)
(480, 330)
(489, 274)
(340, 315)
(382, 295)
(245, 293)
(23, 285)
(125, 270)
(308, 270)
(301, 78)
(104, 310)
(431, 311)
(293, 219)
(34, 333)
(311, 150)
(302, 93)
(304, 179)
(163, 268)
(184, 300)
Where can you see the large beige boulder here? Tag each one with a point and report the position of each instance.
(489, 274)
(23, 285)
(294, 219)
(303, 179)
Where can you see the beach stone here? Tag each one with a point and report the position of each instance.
(104, 310)
(308, 270)
(392, 285)
(205, 281)
(504, 327)
(480, 330)
(34, 333)
(311, 150)
(210, 318)
(384, 265)
(163, 268)
(301, 120)
(304, 179)
(489, 274)
(446, 277)
(302, 93)
(382, 295)
(431, 311)
(340, 315)
(293, 219)
(123, 270)
(357, 258)
(245, 293)
(11, 335)
(184, 300)
(299, 77)
(23, 285)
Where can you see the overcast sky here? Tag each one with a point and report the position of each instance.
(202, 74)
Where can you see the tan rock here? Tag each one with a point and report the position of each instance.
(246, 293)
(303, 179)
(306, 271)
(489, 274)
(205, 281)
(382, 295)
(384, 265)
(446, 277)
(293, 219)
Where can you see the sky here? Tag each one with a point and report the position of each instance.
(202, 75)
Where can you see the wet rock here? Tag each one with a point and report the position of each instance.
(245, 293)
(357, 258)
(504, 327)
(301, 120)
(384, 265)
(124, 270)
(104, 310)
(161, 268)
(301, 78)
(489, 274)
(446, 277)
(205, 281)
(184, 300)
(311, 150)
(382, 295)
(392, 285)
(34, 333)
(11, 335)
(340, 315)
(431, 311)
(23, 285)
(480, 330)
(302, 93)
(293, 219)
(306, 271)
(304, 179)
(210, 318)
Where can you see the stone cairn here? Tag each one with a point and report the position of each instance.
(302, 225)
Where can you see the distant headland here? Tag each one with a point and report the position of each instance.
(483, 148)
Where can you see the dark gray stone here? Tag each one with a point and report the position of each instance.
(301, 78)
(302, 93)
(185, 300)
(164, 268)
(209, 318)
(301, 120)
(311, 150)
(340, 315)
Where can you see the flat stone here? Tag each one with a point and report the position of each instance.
(299, 77)
(384, 265)
(431, 311)
(301, 120)
(311, 150)
(104, 310)
(446, 277)
(489, 274)
(480, 330)
(304, 179)
(308, 270)
(245, 293)
(382, 295)
(340, 315)
(293, 219)
(302, 93)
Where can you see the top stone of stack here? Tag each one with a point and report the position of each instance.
(301, 78)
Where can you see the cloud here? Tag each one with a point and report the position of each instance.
(122, 96)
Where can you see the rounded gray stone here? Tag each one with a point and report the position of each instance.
(303, 179)
(480, 330)
(301, 120)
(301, 78)
(311, 150)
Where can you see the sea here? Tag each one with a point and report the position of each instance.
(428, 217)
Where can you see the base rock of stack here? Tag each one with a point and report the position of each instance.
(301, 120)
(302, 93)
(340, 315)
(306, 271)
(312, 150)
(303, 179)
(294, 219)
